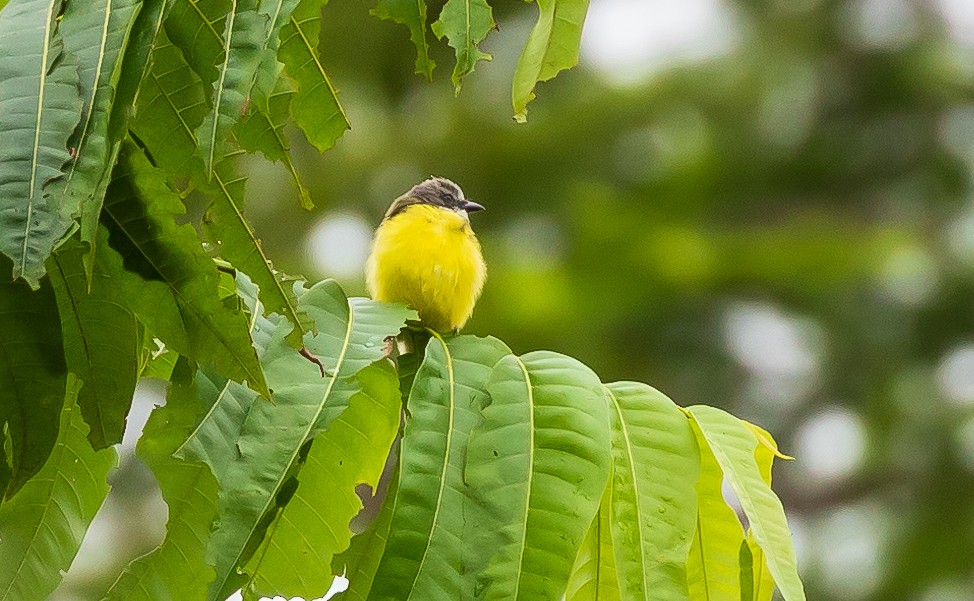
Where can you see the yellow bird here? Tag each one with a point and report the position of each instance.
(426, 255)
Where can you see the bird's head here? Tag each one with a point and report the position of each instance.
(438, 192)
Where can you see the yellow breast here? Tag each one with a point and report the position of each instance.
(429, 258)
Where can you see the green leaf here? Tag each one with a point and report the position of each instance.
(230, 232)
(350, 336)
(32, 374)
(262, 130)
(101, 343)
(465, 23)
(655, 470)
(313, 527)
(594, 576)
(412, 14)
(246, 32)
(734, 445)
(171, 106)
(160, 271)
(713, 564)
(177, 568)
(763, 583)
(133, 69)
(195, 28)
(360, 561)
(96, 34)
(551, 47)
(42, 525)
(278, 14)
(538, 465)
(314, 107)
(424, 554)
(39, 108)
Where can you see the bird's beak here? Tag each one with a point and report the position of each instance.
(472, 207)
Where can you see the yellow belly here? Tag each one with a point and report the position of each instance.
(428, 258)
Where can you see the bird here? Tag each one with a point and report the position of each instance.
(426, 255)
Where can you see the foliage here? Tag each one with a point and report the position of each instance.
(515, 477)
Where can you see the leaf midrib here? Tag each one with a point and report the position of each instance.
(446, 460)
(527, 502)
(635, 488)
(37, 135)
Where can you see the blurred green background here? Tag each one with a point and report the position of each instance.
(764, 205)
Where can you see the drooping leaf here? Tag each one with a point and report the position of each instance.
(101, 343)
(360, 562)
(762, 583)
(733, 445)
(230, 232)
(314, 106)
(655, 470)
(538, 465)
(307, 398)
(41, 527)
(160, 270)
(424, 555)
(713, 564)
(171, 106)
(134, 67)
(551, 47)
(32, 374)
(262, 130)
(39, 108)
(245, 34)
(594, 576)
(465, 23)
(412, 14)
(95, 33)
(313, 527)
(177, 568)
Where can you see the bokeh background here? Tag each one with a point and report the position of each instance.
(764, 205)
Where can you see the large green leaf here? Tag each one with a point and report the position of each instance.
(96, 34)
(313, 527)
(655, 470)
(551, 47)
(177, 568)
(538, 465)
(39, 108)
(246, 32)
(733, 445)
(314, 107)
(594, 576)
(101, 342)
(230, 232)
(465, 23)
(350, 335)
(412, 14)
(41, 527)
(424, 556)
(171, 106)
(160, 270)
(32, 374)
(360, 562)
(713, 564)
(262, 130)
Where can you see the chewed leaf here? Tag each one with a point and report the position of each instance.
(412, 14)
(465, 23)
